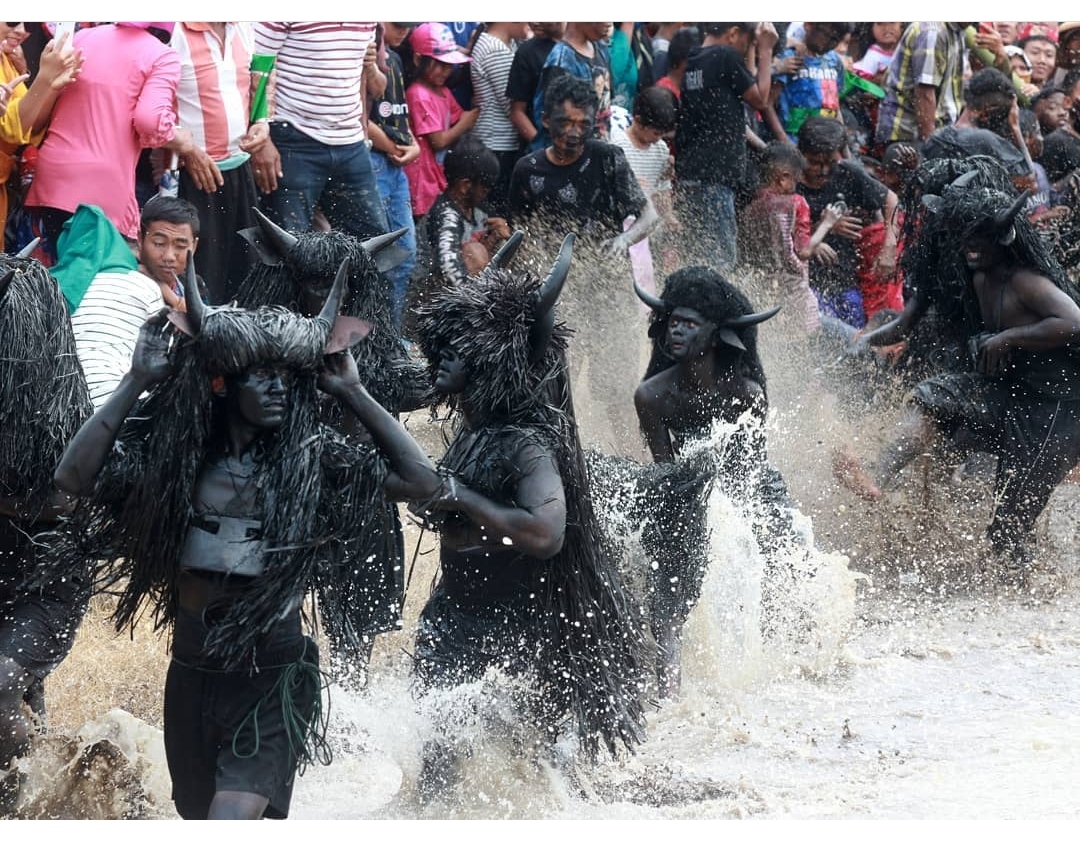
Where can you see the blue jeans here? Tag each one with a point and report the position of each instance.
(337, 179)
(394, 190)
(707, 212)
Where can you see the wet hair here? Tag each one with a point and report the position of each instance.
(565, 87)
(822, 134)
(779, 154)
(706, 291)
(891, 160)
(469, 159)
(1040, 37)
(657, 108)
(682, 42)
(169, 209)
(839, 29)
(1046, 93)
(985, 83)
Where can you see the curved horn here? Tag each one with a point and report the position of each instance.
(655, 303)
(196, 310)
(332, 306)
(1005, 217)
(751, 318)
(374, 245)
(28, 249)
(544, 310)
(553, 284)
(507, 250)
(278, 238)
(962, 180)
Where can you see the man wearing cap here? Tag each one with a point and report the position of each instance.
(318, 152)
(1039, 44)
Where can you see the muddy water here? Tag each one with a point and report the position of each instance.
(921, 688)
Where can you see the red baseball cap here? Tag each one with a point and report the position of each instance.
(437, 41)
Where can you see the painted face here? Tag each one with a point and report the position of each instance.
(570, 127)
(163, 249)
(1069, 50)
(981, 251)
(689, 334)
(451, 377)
(260, 396)
(819, 167)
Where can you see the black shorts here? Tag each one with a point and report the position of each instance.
(229, 730)
(37, 627)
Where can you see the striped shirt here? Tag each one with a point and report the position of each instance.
(490, 69)
(213, 98)
(929, 53)
(106, 326)
(319, 69)
(648, 165)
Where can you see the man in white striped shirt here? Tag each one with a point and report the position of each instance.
(318, 155)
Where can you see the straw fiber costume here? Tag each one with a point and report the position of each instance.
(221, 503)
(43, 401)
(548, 603)
(1022, 401)
(292, 272)
(668, 499)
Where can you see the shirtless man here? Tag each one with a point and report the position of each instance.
(1022, 399)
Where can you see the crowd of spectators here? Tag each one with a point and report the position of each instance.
(354, 128)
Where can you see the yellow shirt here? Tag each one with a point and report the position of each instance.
(12, 132)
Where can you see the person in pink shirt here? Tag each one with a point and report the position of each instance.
(435, 117)
(123, 101)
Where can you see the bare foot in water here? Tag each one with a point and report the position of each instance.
(849, 472)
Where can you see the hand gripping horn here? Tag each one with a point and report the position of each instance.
(544, 312)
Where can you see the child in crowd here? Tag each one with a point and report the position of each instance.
(776, 233)
(650, 160)
(874, 63)
(813, 89)
(459, 237)
(435, 117)
(878, 294)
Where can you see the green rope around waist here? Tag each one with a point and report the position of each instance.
(307, 735)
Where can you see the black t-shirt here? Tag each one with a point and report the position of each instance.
(391, 111)
(592, 196)
(864, 196)
(525, 70)
(1061, 154)
(710, 138)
